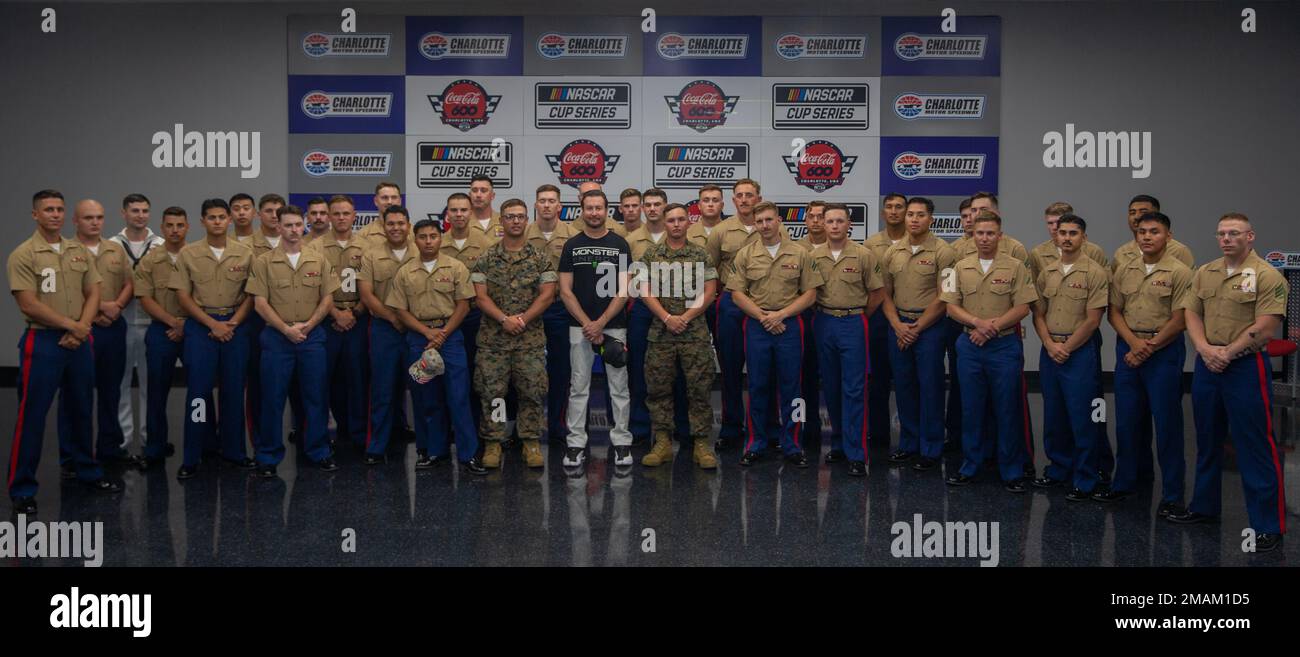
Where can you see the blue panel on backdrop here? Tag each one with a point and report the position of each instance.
(682, 45)
(917, 46)
(452, 45)
(939, 166)
(347, 104)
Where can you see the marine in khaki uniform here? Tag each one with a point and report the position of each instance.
(466, 245)
(514, 283)
(893, 210)
(243, 210)
(209, 283)
(293, 290)
(482, 219)
(109, 333)
(773, 281)
(266, 238)
(815, 223)
(56, 285)
(1137, 207)
(1048, 252)
(710, 206)
(431, 295)
(814, 219)
(548, 234)
(1234, 308)
(1073, 292)
(913, 271)
(631, 206)
(375, 233)
(989, 295)
(854, 289)
(677, 284)
(166, 332)
(318, 220)
(346, 348)
(379, 266)
(1147, 297)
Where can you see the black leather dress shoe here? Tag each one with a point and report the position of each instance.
(242, 464)
(749, 458)
(1167, 509)
(1263, 542)
(798, 459)
(1110, 496)
(925, 464)
(25, 505)
(958, 480)
(857, 469)
(123, 459)
(374, 459)
(901, 457)
(1017, 485)
(327, 465)
(425, 461)
(103, 486)
(474, 467)
(835, 456)
(266, 471)
(1076, 495)
(1047, 482)
(1192, 518)
(187, 471)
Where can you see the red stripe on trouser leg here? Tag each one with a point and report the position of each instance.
(28, 345)
(866, 406)
(816, 408)
(1272, 445)
(749, 412)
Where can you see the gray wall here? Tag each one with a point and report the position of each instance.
(83, 103)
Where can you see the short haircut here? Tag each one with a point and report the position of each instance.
(965, 203)
(593, 193)
(510, 203)
(674, 206)
(748, 181)
(388, 184)
(1158, 217)
(655, 191)
(1235, 216)
(44, 194)
(397, 209)
(212, 203)
(988, 195)
(921, 200)
(175, 211)
(135, 198)
(628, 193)
(548, 187)
(269, 198)
(837, 206)
(987, 215)
(1059, 209)
(288, 209)
(241, 197)
(458, 196)
(317, 200)
(1144, 198)
(816, 204)
(765, 206)
(342, 198)
(895, 195)
(1072, 218)
(427, 223)
(708, 188)
(478, 177)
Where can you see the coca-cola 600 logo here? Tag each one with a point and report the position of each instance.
(464, 105)
(822, 166)
(580, 161)
(701, 105)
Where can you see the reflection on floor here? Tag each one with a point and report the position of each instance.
(673, 515)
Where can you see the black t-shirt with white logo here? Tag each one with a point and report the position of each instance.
(595, 264)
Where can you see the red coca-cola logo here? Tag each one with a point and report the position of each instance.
(821, 166)
(701, 105)
(582, 160)
(464, 105)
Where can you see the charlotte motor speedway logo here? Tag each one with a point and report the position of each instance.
(911, 46)
(464, 105)
(319, 163)
(673, 46)
(329, 104)
(909, 165)
(821, 46)
(911, 106)
(321, 44)
(436, 46)
(557, 46)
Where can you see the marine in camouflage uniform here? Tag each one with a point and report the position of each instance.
(679, 277)
(515, 281)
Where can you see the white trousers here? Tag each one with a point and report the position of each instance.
(581, 358)
(134, 359)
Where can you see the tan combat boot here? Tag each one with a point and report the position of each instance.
(661, 453)
(533, 453)
(492, 455)
(704, 455)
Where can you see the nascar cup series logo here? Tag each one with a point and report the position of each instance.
(320, 44)
(436, 45)
(911, 46)
(326, 104)
(555, 46)
(910, 166)
(693, 165)
(820, 106)
(701, 105)
(822, 166)
(672, 46)
(464, 105)
(580, 161)
(939, 106)
(821, 46)
(583, 105)
(451, 165)
(319, 163)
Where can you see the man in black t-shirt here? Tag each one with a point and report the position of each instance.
(593, 285)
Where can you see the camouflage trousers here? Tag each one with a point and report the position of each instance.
(494, 371)
(696, 361)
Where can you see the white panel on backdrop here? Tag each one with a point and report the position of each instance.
(465, 106)
(566, 161)
(834, 168)
(439, 163)
(799, 106)
(701, 106)
(579, 105)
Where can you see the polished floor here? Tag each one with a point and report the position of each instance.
(674, 515)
